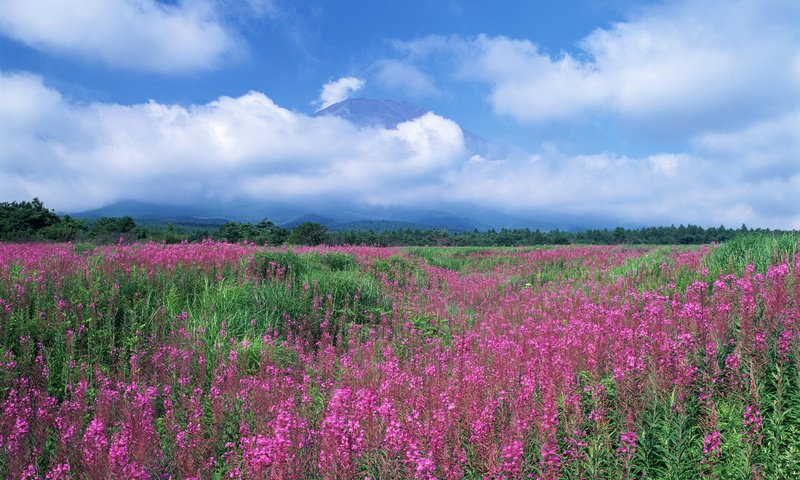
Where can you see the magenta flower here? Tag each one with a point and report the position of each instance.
(712, 444)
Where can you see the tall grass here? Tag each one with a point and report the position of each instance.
(761, 250)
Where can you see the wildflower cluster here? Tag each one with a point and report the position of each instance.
(235, 361)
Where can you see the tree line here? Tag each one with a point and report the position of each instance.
(32, 221)
(671, 235)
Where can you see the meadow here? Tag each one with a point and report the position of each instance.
(215, 360)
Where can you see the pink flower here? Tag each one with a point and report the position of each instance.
(753, 424)
(551, 461)
(512, 457)
(627, 444)
(711, 447)
(95, 449)
(58, 472)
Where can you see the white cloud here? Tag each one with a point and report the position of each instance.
(554, 182)
(771, 135)
(336, 91)
(667, 164)
(79, 156)
(144, 35)
(530, 85)
(716, 83)
(766, 150)
(683, 65)
(405, 78)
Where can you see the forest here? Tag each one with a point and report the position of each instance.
(32, 221)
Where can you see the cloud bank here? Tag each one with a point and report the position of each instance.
(78, 156)
(142, 35)
(82, 156)
(715, 83)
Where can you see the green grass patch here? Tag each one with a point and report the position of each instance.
(467, 259)
(759, 249)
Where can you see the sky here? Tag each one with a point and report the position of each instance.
(647, 112)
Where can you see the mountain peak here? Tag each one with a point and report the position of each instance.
(370, 112)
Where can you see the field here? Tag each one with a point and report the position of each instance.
(214, 360)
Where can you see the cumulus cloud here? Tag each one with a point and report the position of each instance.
(80, 156)
(715, 83)
(143, 35)
(76, 156)
(336, 91)
(667, 164)
(683, 65)
(551, 181)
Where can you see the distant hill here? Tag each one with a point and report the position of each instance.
(338, 219)
(150, 213)
(343, 216)
(380, 226)
(452, 222)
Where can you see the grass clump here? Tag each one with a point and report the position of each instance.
(313, 291)
(758, 249)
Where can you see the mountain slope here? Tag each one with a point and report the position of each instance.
(373, 113)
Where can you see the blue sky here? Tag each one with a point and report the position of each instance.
(646, 112)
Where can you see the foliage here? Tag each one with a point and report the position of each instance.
(27, 220)
(20, 221)
(108, 230)
(263, 233)
(672, 235)
(758, 249)
(308, 233)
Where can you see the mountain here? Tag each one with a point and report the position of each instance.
(334, 217)
(415, 220)
(373, 113)
(341, 217)
(449, 221)
(148, 213)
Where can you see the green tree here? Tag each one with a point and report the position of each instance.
(308, 233)
(620, 235)
(233, 232)
(105, 226)
(66, 230)
(24, 220)
(269, 233)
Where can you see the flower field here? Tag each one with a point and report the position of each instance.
(214, 360)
